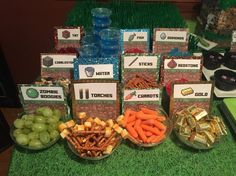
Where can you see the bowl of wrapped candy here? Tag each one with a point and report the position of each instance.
(197, 129)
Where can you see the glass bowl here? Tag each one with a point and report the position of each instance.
(49, 144)
(167, 123)
(190, 144)
(72, 148)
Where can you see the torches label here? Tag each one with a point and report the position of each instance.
(95, 91)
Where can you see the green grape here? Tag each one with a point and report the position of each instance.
(52, 119)
(26, 130)
(47, 112)
(52, 126)
(17, 132)
(44, 137)
(33, 135)
(24, 117)
(57, 112)
(19, 123)
(28, 123)
(39, 111)
(30, 117)
(54, 134)
(22, 139)
(39, 127)
(36, 143)
(39, 119)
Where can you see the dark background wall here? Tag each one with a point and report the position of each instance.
(27, 30)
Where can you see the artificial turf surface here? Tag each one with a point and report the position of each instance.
(169, 158)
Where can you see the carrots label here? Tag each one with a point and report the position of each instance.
(142, 95)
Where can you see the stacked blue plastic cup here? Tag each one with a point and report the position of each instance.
(110, 42)
(89, 51)
(100, 20)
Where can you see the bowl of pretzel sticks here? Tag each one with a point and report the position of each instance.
(91, 138)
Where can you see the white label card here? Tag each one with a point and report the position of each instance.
(100, 71)
(142, 95)
(171, 36)
(95, 91)
(195, 91)
(234, 37)
(42, 93)
(190, 64)
(68, 34)
(140, 61)
(57, 60)
(135, 36)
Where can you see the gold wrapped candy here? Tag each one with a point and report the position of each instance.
(196, 126)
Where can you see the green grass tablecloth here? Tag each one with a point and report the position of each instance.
(169, 158)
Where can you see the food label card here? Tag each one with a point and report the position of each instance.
(67, 36)
(96, 68)
(233, 43)
(34, 96)
(186, 94)
(98, 98)
(167, 39)
(135, 40)
(143, 66)
(176, 68)
(145, 97)
(57, 66)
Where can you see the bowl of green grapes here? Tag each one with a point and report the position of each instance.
(38, 130)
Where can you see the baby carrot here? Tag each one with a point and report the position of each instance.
(151, 138)
(158, 138)
(148, 122)
(132, 131)
(127, 114)
(131, 123)
(159, 125)
(161, 118)
(141, 134)
(151, 129)
(148, 133)
(137, 123)
(131, 118)
(148, 111)
(143, 116)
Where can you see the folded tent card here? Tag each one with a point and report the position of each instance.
(34, 96)
(233, 43)
(165, 39)
(68, 37)
(98, 98)
(191, 93)
(176, 68)
(135, 40)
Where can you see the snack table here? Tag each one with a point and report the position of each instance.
(169, 158)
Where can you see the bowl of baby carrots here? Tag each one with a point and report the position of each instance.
(146, 127)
